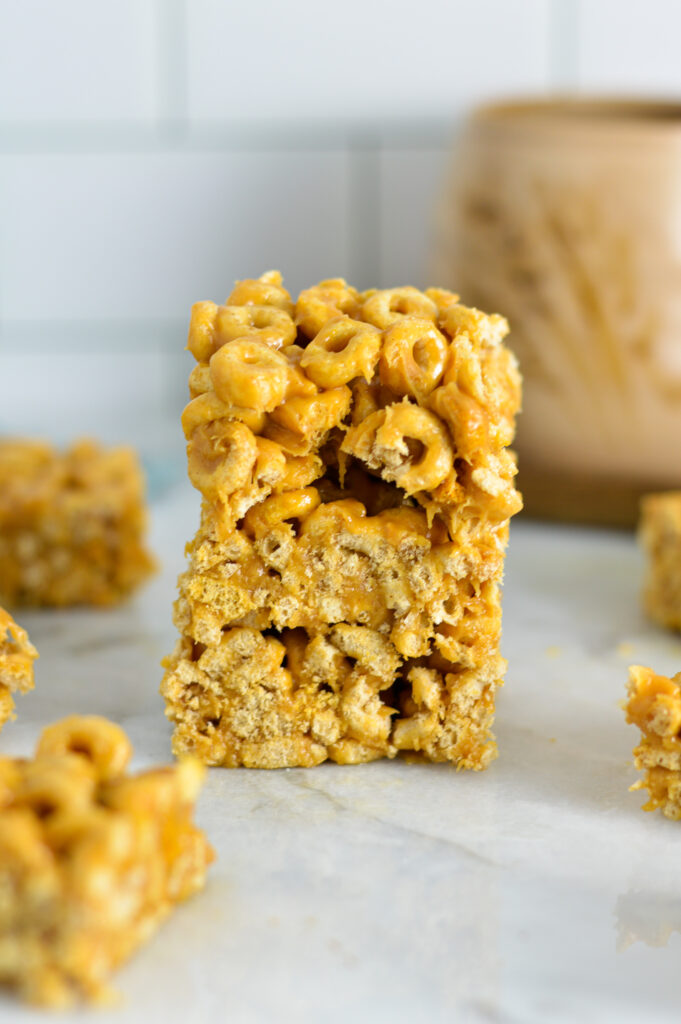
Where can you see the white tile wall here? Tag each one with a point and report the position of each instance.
(151, 151)
(631, 46)
(364, 58)
(86, 392)
(78, 59)
(410, 186)
(145, 235)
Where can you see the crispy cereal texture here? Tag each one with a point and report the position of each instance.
(72, 524)
(654, 706)
(91, 859)
(342, 595)
(660, 537)
(17, 655)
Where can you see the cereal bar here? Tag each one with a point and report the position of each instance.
(71, 524)
(654, 706)
(91, 858)
(17, 655)
(342, 595)
(660, 536)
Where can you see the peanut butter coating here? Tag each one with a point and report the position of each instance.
(342, 595)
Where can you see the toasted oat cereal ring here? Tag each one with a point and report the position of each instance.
(402, 521)
(266, 290)
(158, 790)
(269, 324)
(385, 307)
(299, 423)
(24, 854)
(367, 398)
(442, 298)
(249, 374)
(466, 418)
(328, 299)
(344, 514)
(220, 458)
(208, 407)
(299, 471)
(200, 381)
(99, 741)
(299, 383)
(270, 463)
(101, 854)
(56, 783)
(63, 830)
(260, 519)
(413, 357)
(201, 338)
(343, 349)
(407, 444)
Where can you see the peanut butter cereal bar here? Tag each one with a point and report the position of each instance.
(654, 706)
(660, 536)
(71, 524)
(91, 859)
(17, 655)
(342, 594)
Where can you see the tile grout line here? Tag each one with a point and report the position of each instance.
(172, 74)
(563, 44)
(176, 134)
(364, 207)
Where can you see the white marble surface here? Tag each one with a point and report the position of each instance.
(537, 891)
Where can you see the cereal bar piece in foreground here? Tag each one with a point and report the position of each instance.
(17, 655)
(342, 595)
(654, 705)
(72, 524)
(91, 858)
(660, 536)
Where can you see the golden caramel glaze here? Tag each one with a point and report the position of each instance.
(654, 706)
(659, 534)
(17, 655)
(342, 597)
(72, 524)
(92, 859)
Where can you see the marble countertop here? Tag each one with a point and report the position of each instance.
(537, 891)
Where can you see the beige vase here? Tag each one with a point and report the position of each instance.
(565, 216)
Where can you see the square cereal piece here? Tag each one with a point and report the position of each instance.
(654, 706)
(17, 655)
(92, 859)
(660, 537)
(342, 595)
(72, 524)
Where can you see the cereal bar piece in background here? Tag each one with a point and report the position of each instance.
(17, 655)
(72, 524)
(660, 537)
(342, 595)
(654, 706)
(92, 859)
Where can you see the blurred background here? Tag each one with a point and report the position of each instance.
(152, 151)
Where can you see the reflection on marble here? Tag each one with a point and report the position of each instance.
(394, 892)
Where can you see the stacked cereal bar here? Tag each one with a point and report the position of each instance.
(342, 596)
(71, 524)
(654, 706)
(91, 859)
(660, 535)
(17, 655)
